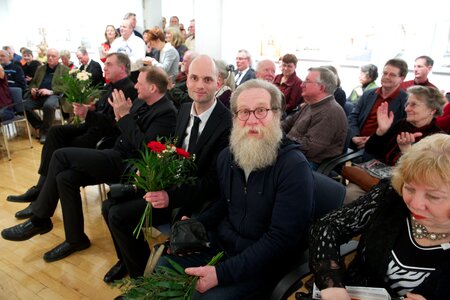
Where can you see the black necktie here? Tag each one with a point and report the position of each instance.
(194, 134)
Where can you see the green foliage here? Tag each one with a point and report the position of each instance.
(165, 283)
(77, 88)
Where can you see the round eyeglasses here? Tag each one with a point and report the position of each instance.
(259, 113)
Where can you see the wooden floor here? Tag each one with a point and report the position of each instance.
(23, 272)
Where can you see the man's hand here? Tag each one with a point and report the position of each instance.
(120, 104)
(80, 110)
(159, 199)
(207, 277)
(45, 92)
(34, 93)
(360, 141)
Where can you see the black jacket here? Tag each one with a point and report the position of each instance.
(214, 138)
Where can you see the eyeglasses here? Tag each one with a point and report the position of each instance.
(241, 58)
(306, 81)
(259, 113)
(386, 74)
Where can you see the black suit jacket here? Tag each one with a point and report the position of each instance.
(97, 74)
(214, 138)
(143, 124)
(249, 75)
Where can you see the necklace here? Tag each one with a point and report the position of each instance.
(421, 232)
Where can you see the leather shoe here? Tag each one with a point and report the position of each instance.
(25, 231)
(118, 271)
(65, 249)
(28, 196)
(24, 213)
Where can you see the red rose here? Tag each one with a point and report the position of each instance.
(156, 146)
(182, 153)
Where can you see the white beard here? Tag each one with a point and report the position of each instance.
(251, 153)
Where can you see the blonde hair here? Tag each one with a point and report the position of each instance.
(177, 38)
(427, 162)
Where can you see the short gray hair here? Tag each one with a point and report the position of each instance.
(276, 97)
(326, 78)
(429, 95)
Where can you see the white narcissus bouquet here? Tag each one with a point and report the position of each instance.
(78, 88)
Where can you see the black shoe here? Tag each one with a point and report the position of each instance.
(118, 271)
(28, 196)
(64, 250)
(24, 213)
(25, 231)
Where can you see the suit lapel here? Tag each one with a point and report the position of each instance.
(180, 131)
(213, 122)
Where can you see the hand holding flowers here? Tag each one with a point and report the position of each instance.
(161, 166)
(77, 88)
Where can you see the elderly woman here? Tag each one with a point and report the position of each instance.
(174, 37)
(225, 82)
(367, 77)
(390, 141)
(404, 226)
(168, 55)
(65, 59)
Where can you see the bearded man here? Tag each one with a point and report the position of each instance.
(262, 217)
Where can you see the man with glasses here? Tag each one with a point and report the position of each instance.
(320, 125)
(363, 119)
(244, 69)
(262, 216)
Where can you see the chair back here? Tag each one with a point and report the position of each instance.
(328, 195)
(16, 95)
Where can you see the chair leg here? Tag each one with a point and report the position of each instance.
(29, 134)
(5, 139)
(102, 191)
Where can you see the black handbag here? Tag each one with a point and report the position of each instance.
(188, 236)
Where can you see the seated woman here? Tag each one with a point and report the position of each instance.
(367, 77)
(168, 55)
(289, 83)
(110, 35)
(390, 141)
(30, 64)
(404, 226)
(174, 37)
(226, 82)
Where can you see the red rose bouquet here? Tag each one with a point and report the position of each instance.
(161, 166)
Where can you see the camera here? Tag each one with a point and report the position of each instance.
(119, 190)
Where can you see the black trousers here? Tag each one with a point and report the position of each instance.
(60, 136)
(70, 169)
(122, 218)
